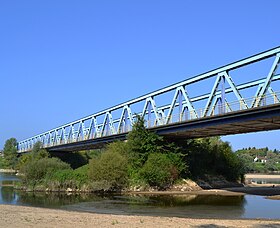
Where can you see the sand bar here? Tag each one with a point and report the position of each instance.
(21, 216)
(260, 176)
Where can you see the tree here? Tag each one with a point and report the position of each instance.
(10, 152)
(142, 142)
(213, 156)
(110, 169)
(159, 170)
(36, 154)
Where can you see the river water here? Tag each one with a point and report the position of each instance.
(188, 206)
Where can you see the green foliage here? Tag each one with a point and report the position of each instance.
(111, 167)
(68, 178)
(247, 155)
(247, 162)
(3, 163)
(141, 142)
(10, 152)
(36, 154)
(37, 170)
(160, 170)
(75, 159)
(213, 156)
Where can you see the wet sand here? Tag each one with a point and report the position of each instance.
(21, 216)
(259, 189)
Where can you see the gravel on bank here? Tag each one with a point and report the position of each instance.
(21, 216)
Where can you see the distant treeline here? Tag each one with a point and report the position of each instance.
(260, 160)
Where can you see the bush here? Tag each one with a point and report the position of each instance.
(36, 170)
(67, 178)
(159, 170)
(111, 168)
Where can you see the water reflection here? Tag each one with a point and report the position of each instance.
(195, 206)
(8, 196)
(191, 206)
(52, 200)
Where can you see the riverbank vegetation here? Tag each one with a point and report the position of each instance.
(145, 160)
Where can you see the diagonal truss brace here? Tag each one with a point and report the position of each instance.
(267, 82)
(223, 76)
(125, 116)
(107, 126)
(93, 128)
(179, 93)
(149, 107)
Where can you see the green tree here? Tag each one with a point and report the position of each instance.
(247, 162)
(36, 154)
(10, 152)
(213, 156)
(159, 170)
(142, 141)
(110, 168)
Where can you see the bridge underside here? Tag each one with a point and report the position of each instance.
(233, 123)
(244, 121)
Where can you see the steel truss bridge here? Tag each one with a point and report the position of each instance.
(240, 97)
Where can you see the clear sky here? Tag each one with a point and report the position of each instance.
(63, 60)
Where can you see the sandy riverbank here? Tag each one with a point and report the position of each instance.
(262, 176)
(20, 216)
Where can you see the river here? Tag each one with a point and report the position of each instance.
(188, 206)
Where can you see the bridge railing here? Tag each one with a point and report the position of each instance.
(174, 103)
(228, 107)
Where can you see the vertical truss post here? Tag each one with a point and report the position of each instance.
(107, 128)
(73, 133)
(126, 120)
(64, 135)
(223, 95)
(180, 98)
(149, 113)
(84, 130)
(187, 112)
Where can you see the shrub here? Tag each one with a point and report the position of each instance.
(159, 170)
(110, 168)
(36, 170)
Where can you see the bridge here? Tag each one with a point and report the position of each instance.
(240, 97)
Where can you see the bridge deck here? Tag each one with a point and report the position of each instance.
(244, 121)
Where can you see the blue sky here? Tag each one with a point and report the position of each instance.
(62, 60)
